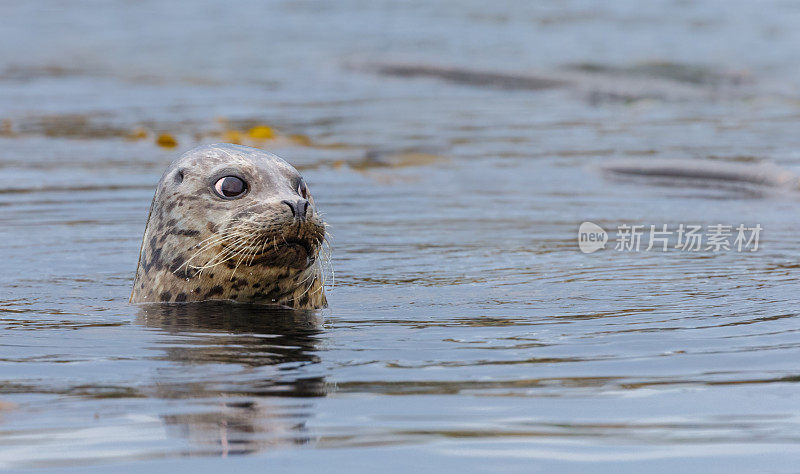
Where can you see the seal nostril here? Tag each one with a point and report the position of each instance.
(299, 208)
(291, 206)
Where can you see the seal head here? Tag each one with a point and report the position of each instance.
(230, 222)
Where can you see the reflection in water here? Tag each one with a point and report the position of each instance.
(234, 356)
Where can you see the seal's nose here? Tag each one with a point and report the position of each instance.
(299, 208)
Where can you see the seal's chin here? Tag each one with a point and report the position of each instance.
(291, 254)
(297, 245)
(285, 253)
(288, 245)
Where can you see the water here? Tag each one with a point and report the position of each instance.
(465, 329)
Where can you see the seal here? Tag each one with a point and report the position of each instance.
(230, 222)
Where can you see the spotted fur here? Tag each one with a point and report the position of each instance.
(198, 246)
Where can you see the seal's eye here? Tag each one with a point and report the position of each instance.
(302, 189)
(230, 187)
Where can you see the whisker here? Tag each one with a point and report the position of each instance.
(227, 254)
(201, 250)
(244, 255)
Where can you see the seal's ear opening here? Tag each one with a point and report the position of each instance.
(179, 177)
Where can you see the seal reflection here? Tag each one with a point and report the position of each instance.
(234, 364)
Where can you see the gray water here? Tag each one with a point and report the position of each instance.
(466, 331)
